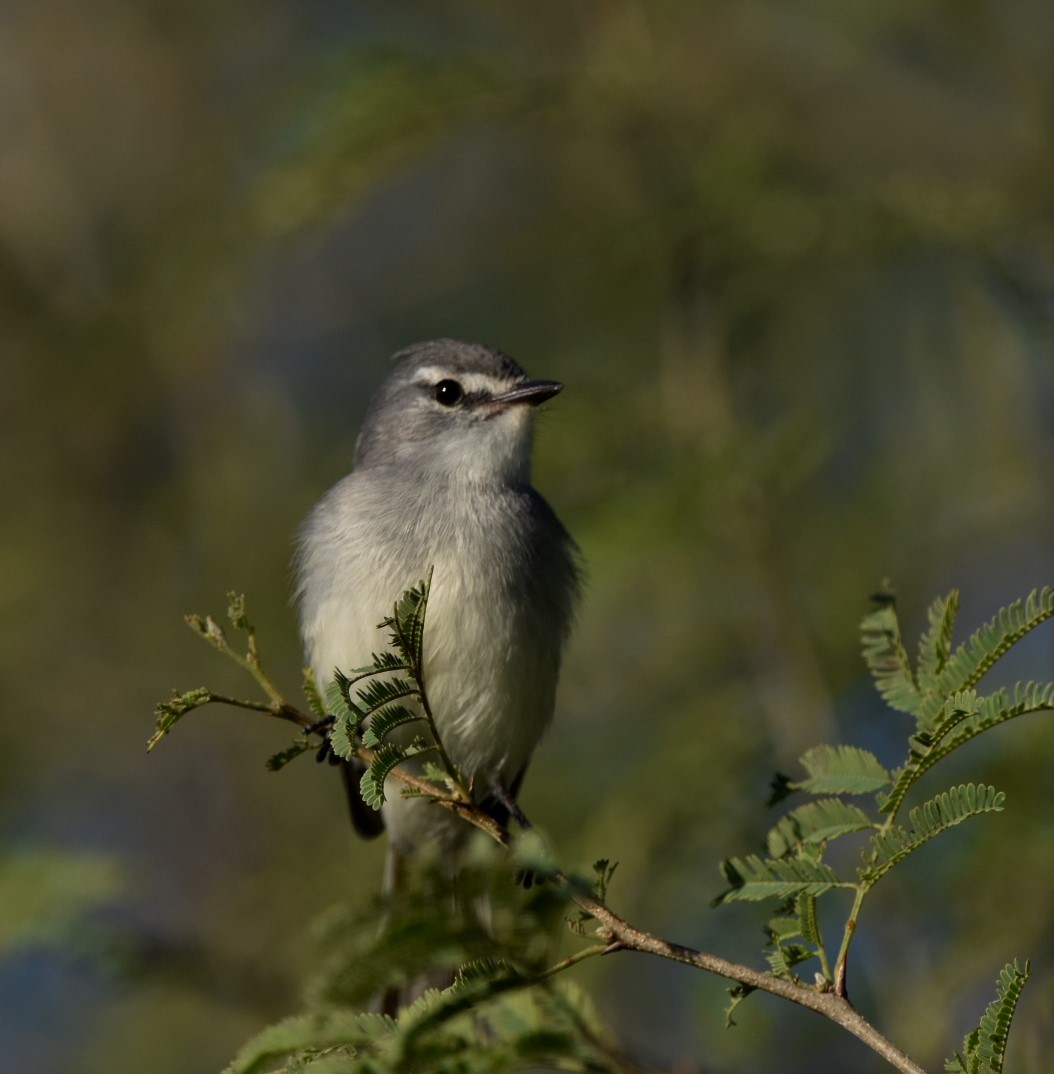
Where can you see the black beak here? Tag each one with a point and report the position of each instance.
(532, 392)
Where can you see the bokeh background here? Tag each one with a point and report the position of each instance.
(794, 263)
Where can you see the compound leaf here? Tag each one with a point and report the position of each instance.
(985, 1048)
(965, 717)
(841, 770)
(887, 659)
(387, 720)
(753, 878)
(928, 821)
(815, 822)
(935, 645)
(380, 692)
(975, 657)
(385, 758)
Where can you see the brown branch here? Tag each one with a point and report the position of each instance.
(621, 935)
(836, 1008)
(618, 934)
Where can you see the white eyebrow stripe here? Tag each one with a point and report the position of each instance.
(471, 382)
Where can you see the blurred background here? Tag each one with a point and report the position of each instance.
(795, 265)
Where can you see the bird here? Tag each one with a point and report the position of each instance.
(441, 482)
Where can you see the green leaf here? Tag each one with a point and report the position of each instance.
(348, 1029)
(815, 822)
(887, 659)
(386, 661)
(961, 724)
(935, 645)
(783, 927)
(928, 821)
(753, 878)
(603, 871)
(407, 625)
(279, 760)
(168, 713)
(737, 994)
(783, 958)
(985, 1047)
(385, 758)
(342, 738)
(340, 703)
(387, 720)
(313, 695)
(809, 926)
(841, 770)
(975, 657)
(380, 692)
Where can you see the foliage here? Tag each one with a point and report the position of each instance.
(984, 1048)
(940, 692)
(503, 1010)
(468, 1028)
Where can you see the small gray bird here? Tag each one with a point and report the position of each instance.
(442, 479)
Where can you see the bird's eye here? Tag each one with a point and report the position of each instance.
(448, 392)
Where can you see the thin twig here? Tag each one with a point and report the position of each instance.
(619, 934)
(836, 1008)
(280, 711)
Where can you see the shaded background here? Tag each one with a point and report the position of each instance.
(795, 265)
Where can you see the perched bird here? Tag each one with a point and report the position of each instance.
(442, 480)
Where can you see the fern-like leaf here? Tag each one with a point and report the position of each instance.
(959, 726)
(342, 739)
(975, 658)
(887, 659)
(387, 720)
(168, 713)
(380, 692)
(815, 822)
(841, 770)
(808, 924)
(784, 957)
(935, 645)
(753, 878)
(927, 822)
(984, 1050)
(407, 624)
(316, 1032)
(385, 758)
(340, 702)
(279, 760)
(388, 661)
(313, 695)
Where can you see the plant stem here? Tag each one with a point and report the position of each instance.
(578, 956)
(251, 663)
(837, 1008)
(841, 963)
(279, 709)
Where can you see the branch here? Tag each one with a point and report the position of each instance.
(838, 1009)
(617, 934)
(620, 935)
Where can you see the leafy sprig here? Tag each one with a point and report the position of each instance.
(984, 1049)
(380, 715)
(940, 692)
(389, 693)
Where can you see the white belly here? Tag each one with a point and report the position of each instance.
(491, 659)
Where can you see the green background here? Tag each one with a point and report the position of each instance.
(794, 262)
